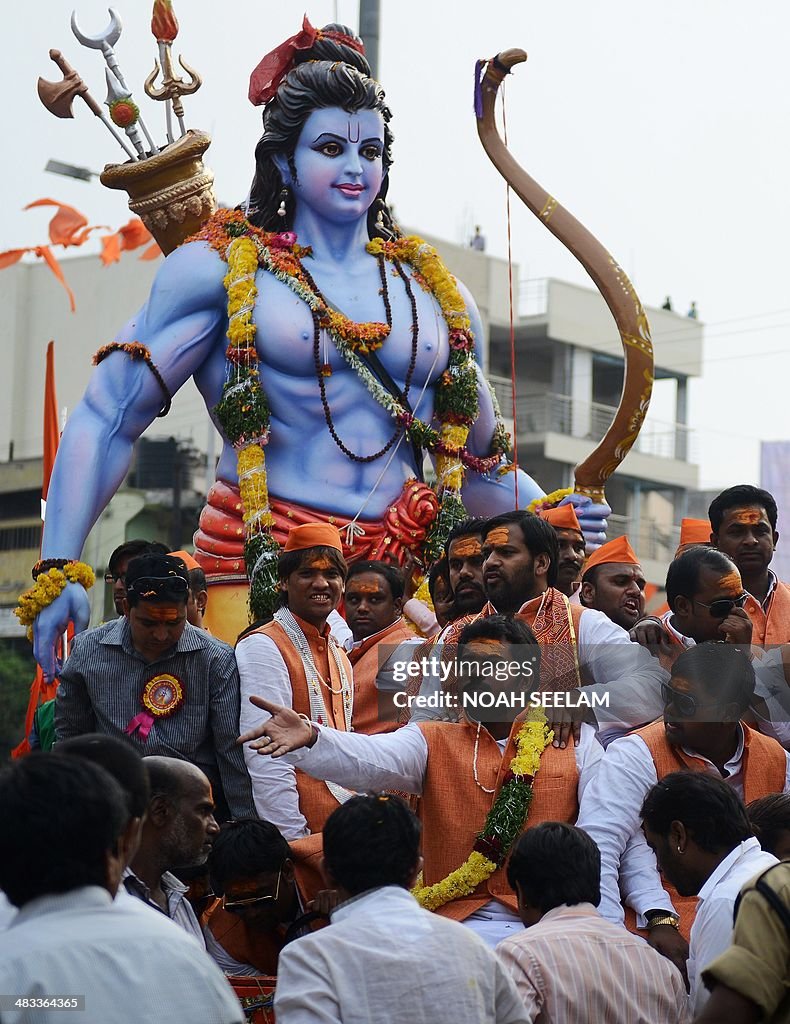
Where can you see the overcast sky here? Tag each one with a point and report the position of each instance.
(662, 126)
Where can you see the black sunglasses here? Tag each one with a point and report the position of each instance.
(112, 577)
(721, 608)
(155, 586)
(686, 704)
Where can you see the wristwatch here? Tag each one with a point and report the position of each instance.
(657, 917)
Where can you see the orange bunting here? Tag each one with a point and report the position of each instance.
(151, 252)
(47, 255)
(110, 249)
(68, 226)
(12, 256)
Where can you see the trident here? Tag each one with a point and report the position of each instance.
(172, 88)
(105, 41)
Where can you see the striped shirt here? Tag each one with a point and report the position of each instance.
(102, 682)
(575, 966)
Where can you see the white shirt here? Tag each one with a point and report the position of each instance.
(609, 813)
(711, 932)
(179, 909)
(131, 967)
(616, 666)
(770, 683)
(384, 958)
(399, 760)
(263, 672)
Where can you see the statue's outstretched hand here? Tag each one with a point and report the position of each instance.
(592, 519)
(71, 605)
(283, 732)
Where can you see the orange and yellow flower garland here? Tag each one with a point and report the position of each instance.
(504, 823)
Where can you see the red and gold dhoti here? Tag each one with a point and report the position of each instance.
(219, 543)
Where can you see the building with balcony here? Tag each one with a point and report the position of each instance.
(569, 375)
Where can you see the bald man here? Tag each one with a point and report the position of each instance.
(178, 831)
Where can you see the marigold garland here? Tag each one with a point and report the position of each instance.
(243, 410)
(49, 586)
(504, 823)
(549, 500)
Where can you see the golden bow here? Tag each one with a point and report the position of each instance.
(609, 277)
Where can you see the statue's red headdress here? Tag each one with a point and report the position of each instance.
(275, 65)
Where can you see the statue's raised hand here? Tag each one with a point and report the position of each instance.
(72, 605)
(592, 519)
(283, 732)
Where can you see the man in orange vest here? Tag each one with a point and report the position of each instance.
(579, 645)
(743, 526)
(295, 661)
(571, 541)
(709, 690)
(613, 583)
(460, 770)
(374, 602)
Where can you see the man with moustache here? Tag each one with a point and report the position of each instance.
(701, 730)
(178, 830)
(580, 646)
(743, 526)
(295, 661)
(613, 583)
(465, 566)
(571, 541)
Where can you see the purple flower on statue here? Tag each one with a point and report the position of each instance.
(283, 240)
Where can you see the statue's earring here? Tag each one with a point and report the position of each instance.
(281, 211)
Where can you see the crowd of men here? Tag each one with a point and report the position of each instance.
(192, 812)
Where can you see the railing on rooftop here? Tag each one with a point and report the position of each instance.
(589, 421)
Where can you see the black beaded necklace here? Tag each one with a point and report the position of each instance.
(321, 375)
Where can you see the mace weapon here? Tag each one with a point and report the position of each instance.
(105, 41)
(58, 97)
(164, 26)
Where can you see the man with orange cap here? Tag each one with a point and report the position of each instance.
(197, 599)
(693, 531)
(613, 583)
(571, 540)
(295, 661)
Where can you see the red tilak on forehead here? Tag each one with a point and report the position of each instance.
(731, 582)
(466, 547)
(321, 563)
(362, 588)
(499, 535)
(163, 612)
(747, 516)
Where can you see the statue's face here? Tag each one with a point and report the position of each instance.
(338, 161)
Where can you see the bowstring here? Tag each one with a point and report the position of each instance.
(510, 304)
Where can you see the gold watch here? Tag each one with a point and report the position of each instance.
(656, 918)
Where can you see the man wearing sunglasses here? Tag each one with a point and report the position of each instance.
(706, 602)
(160, 683)
(258, 909)
(708, 692)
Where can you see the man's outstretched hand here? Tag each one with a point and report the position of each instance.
(283, 732)
(71, 605)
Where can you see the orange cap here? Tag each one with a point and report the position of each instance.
(314, 535)
(617, 550)
(563, 517)
(694, 531)
(186, 558)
